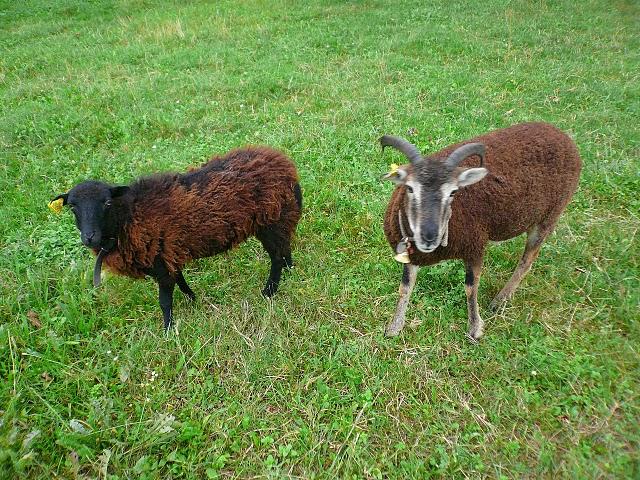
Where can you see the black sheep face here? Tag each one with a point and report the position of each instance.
(91, 203)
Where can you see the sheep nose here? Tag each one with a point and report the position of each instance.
(429, 232)
(88, 238)
(428, 236)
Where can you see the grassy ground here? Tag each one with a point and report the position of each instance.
(307, 386)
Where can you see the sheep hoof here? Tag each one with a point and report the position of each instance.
(475, 332)
(269, 291)
(497, 303)
(392, 331)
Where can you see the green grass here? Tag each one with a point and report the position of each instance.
(307, 386)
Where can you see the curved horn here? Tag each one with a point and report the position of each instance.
(410, 151)
(463, 152)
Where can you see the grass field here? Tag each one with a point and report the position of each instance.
(307, 386)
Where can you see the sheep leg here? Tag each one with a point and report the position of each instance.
(409, 275)
(285, 248)
(184, 287)
(166, 284)
(271, 287)
(534, 240)
(288, 261)
(471, 280)
(276, 243)
(166, 302)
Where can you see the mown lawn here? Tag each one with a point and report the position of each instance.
(307, 386)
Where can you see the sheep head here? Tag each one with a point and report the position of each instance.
(92, 205)
(430, 184)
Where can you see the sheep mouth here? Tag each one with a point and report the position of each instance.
(91, 244)
(427, 248)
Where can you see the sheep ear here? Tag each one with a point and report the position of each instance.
(119, 191)
(397, 175)
(469, 176)
(63, 196)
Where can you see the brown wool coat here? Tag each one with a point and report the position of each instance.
(205, 211)
(533, 172)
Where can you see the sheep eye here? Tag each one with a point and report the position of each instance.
(409, 189)
(452, 193)
(107, 203)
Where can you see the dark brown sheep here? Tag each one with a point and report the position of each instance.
(159, 223)
(526, 176)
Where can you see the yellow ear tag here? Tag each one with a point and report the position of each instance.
(393, 169)
(56, 205)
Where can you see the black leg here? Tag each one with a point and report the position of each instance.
(273, 281)
(166, 303)
(288, 261)
(166, 283)
(182, 284)
(277, 245)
